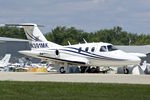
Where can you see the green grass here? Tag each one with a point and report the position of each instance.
(10, 90)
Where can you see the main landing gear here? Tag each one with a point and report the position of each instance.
(125, 70)
(62, 70)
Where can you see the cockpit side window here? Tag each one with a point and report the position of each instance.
(103, 49)
(111, 48)
(86, 49)
(80, 49)
(93, 48)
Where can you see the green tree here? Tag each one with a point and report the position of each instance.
(12, 32)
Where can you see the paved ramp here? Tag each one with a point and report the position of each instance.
(89, 78)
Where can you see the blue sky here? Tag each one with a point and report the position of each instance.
(88, 15)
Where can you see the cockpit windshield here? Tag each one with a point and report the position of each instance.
(103, 49)
(111, 48)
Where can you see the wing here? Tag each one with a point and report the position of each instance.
(73, 60)
(53, 57)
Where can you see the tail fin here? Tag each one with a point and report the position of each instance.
(32, 31)
(6, 59)
(37, 39)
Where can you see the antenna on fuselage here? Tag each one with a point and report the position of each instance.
(69, 43)
(84, 40)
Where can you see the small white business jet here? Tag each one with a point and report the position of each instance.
(4, 62)
(86, 54)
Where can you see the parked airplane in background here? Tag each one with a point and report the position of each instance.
(86, 54)
(5, 62)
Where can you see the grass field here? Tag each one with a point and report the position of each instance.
(10, 90)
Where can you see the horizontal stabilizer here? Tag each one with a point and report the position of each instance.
(24, 24)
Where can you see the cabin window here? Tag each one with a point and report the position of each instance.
(103, 49)
(86, 49)
(80, 49)
(93, 48)
(111, 48)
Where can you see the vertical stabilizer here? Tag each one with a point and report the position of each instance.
(33, 33)
(36, 39)
(6, 59)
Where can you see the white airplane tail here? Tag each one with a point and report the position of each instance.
(33, 33)
(36, 39)
(6, 59)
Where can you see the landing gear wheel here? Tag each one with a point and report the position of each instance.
(62, 70)
(126, 71)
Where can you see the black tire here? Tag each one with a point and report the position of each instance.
(82, 69)
(126, 71)
(62, 70)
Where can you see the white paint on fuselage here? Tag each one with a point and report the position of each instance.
(43, 49)
(96, 58)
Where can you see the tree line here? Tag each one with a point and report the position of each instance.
(116, 35)
(63, 34)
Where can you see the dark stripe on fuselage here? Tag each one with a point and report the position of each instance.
(84, 51)
(98, 56)
(80, 53)
(91, 55)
